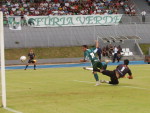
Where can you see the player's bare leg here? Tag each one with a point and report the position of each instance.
(91, 69)
(88, 68)
(34, 65)
(96, 78)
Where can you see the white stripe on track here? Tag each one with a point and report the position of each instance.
(110, 84)
(12, 110)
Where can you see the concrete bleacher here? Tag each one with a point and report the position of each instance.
(119, 38)
(126, 52)
(141, 5)
(71, 36)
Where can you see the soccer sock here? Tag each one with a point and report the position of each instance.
(96, 77)
(34, 66)
(26, 66)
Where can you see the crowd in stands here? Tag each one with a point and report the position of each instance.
(65, 7)
(130, 9)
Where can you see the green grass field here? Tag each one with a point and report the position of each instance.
(56, 91)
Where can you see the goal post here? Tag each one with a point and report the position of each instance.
(3, 81)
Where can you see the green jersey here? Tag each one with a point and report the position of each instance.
(89, 54)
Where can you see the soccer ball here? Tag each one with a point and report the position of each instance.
(23, 58)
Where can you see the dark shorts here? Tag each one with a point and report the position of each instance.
(112, 75)
(31, 61)
(99, 65)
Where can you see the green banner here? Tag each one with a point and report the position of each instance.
(73, 20)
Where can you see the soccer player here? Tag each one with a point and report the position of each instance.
(115, 54)
(89, 54)
(120, 72)
(31, 56)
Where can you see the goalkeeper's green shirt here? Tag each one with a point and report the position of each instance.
(89, 54)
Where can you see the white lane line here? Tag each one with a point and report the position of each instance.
(12, 110)
(119, 86)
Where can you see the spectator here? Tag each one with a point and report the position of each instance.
(143, 13)
(104, 52)
(133, 12)
(119, 53)
(110, 50)
(119, 48)
(115, 54)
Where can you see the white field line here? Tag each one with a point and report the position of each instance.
(109, 84)
(84, 81)
(32, 82)
(136, 87)
(12, 110)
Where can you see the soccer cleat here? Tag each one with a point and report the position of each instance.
(103, 81)
(97, 83)
(107, 61)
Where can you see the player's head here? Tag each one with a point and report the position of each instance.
(84, 47)
(126, 62)
(31, 51)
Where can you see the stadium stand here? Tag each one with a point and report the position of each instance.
(126, 52)
(141, 5)
(70, 7)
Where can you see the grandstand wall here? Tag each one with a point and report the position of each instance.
(30, 37)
